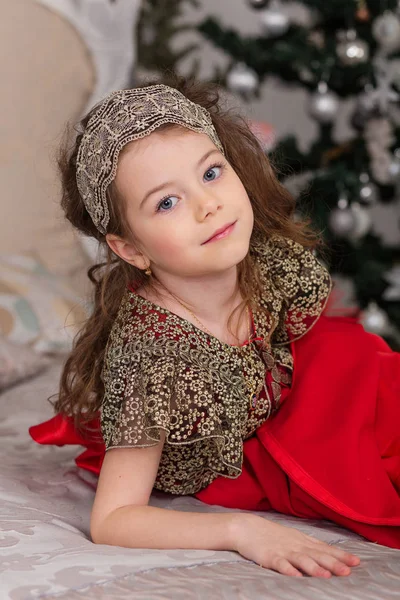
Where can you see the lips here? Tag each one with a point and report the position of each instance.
(220, 233)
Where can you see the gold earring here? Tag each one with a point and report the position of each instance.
(148, 271)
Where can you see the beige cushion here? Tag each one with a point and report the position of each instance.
(37, 308)
(47, 79)
(18, 362)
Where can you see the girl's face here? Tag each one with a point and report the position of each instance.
(179, 191)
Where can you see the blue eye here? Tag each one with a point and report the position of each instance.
(211, 170)
(165, 204)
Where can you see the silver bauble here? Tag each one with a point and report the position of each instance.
(362, 222)
(257, 3)
(324, 104)
(242, 80)
(274, 22)
(342, 221)
(386, 31)
(352, 50)
(374, 319)
(368, 193)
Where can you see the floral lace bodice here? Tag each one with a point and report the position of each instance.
(162, 372)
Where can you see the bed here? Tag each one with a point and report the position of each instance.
(46, 551)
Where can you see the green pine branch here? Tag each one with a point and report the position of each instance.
(160, 23)
(292, 57)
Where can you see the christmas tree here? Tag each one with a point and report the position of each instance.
(348, 49)
(159, 24)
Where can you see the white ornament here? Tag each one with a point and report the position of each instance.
(384, 93)
(379, 98)
(375, 320)
(386, 31)
(242, 80)
(341, 219)
(362, 222)
(352, 50)
(274, 22)
(368, 191)
(324, 104)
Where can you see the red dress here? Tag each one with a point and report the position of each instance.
(331, 451)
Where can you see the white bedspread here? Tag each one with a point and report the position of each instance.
(46, 552)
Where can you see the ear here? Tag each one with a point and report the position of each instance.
(127, 251)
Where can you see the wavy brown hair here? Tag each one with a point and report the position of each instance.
(81, 387)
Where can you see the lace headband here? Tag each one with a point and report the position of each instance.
(122, 117)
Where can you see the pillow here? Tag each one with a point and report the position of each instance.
(37, 307)
(48, 77)
(19, 362)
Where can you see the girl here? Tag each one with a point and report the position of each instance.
(207, 367)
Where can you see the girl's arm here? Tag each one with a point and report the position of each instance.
(121, 517)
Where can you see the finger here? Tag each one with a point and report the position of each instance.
(308, 565)
(332, 564)
(349, 559)
(282, 565)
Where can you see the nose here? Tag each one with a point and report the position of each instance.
(206, 204)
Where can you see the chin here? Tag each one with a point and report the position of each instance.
(232, 254)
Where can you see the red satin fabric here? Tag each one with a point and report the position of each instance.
(332, 451)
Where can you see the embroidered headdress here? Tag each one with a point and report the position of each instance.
(124, 116)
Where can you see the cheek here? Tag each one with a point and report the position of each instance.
(245, 204)
(165, 240)
(239, 192)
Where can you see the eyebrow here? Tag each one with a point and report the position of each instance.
(167, 183)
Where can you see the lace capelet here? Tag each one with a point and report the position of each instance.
(162, 373)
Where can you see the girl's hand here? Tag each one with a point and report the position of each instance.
(287, 550)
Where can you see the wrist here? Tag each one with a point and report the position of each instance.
(238, 525)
